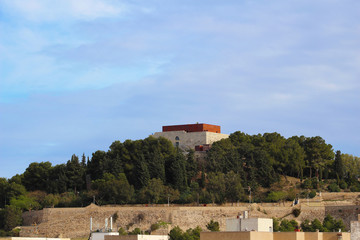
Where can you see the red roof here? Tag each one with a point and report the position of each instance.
(198, 127)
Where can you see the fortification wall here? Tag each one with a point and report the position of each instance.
(75, 222)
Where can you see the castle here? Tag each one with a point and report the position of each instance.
(198, 137)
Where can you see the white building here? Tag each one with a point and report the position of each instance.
(191, 136)
(138, 237)
(244, 224)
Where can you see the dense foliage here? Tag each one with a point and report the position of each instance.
(328, 225)
(152, 171)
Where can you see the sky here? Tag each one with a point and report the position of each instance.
(77, 75)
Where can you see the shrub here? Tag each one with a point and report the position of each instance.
(334, 187)
(296, 212)
(343, 184)
(136, 231)
(312, 194)
(306, 184)
(122, 231)
(276, 225)
(355, 188)
(291, 195)
(154, 227)
(276, 196)
(213, 226)
(115, 217)
(314, 183)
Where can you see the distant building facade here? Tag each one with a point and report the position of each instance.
(355, 229)
(138, 237)
(197, 136)
(249, 224)
(253, 235)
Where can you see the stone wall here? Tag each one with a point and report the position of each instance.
(188, 140)
(75, 222)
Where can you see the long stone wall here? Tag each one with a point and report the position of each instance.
(75, 222)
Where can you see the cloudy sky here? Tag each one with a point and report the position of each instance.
(77, 75)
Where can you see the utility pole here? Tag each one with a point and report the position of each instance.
(249, 189)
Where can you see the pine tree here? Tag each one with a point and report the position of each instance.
(339, 165)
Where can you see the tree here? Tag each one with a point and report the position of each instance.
(193, 234)
(37, 175)
(234, 189)
(332, 225)
(157, 165)
(75, 174)
(316, 225)
(12, 217)
(114, 190)
(4, 185)
(294, 157)
(95, 167)
(170, 194)
(216, 186)
(213, 226)
(51, 200)
(276, 225)
(153, 190)
(141, 174)
(176, 173)
(312, 226)
(58, 179)
(288, 226)
(176, 234)
(339, 165)
(306, 226)
(318, 154)
(24, 203)
(191, 166)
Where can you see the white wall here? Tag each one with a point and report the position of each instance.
(101, 235)
(250, 224)
(355, 230)
(265, 225)
(233, 225)
(152, 237)
(37, 238)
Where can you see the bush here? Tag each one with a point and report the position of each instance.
(154, 227)
(213, 226)
(291, 195)
(276, 225)
(4, 233)
(306, 184)
(355, 188)
(136, 231)
(122, 231)
(276, 196)
(296, 212)
(343, 184)
(315, 183)
(334, 187)
(312, 194)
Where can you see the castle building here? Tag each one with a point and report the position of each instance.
(197, 136)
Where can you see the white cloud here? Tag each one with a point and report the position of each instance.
(65, 10)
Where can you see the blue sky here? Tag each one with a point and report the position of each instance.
(77, 75)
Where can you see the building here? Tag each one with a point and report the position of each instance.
(101, 235)
(137, 237)
(253, 235)
(355, 229)
(197, 136)
(249, 224)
